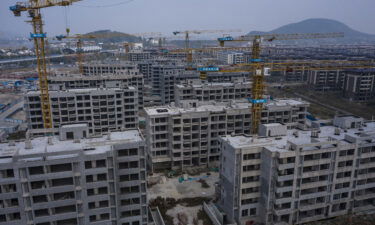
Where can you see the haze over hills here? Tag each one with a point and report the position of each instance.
(323, 26)
(316, 25)
(114, 36)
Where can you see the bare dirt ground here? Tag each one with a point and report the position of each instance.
(20, 115)
(180, 203)
(172, 188)
(189, 212)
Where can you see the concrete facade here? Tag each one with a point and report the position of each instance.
(118, 80)
(298, 178)
(359, 85)
(326, 80)
(101, 181)
(196, 90)
(104, 110)
(95, 69)
(165, 77)
(137, 55)
(231, 58)
(295, 76)
(179, 137)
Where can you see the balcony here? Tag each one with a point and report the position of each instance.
(284, 189)
(282, 200)
(316, 173)
(314, 162)
(313, 195)
(364, 176)
(283, 211)
(308, 206)
(314, 184)
(286, 166)
(311, 218)
(282, 178)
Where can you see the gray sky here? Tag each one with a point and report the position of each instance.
(169, 15)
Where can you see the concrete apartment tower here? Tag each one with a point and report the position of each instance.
(72, 180)
(295, 177)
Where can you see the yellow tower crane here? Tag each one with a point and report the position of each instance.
(257, 67)
(79, 47)
(257, 100)
(38, 35)
(188, 50)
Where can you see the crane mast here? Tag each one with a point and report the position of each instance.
(33, 7)
(257, 85)
(257, 66)
(39, 43)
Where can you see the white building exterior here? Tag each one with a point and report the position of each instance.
(301, 177)
(221, 92)
(179, 137)
(55, 181)
(104, 110)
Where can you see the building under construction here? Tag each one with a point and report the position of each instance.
(296, 177)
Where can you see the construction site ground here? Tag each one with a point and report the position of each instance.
(9, 98)
(325, 105)
(20, 115)
(187, 196)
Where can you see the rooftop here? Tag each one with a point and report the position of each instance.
(107, 76)
(218, 106)
(326, 136)
(224, 84)
(81, 90)
(96, 145)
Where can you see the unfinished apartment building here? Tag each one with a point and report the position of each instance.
(118, 80)
(165, 77)
(104, 110)
(294, 76)
(359, 85)
(296, 177)
(179, 137)
(66, 180)
(137, 55)
(203, 91)
(145, 66)
(326, 80)
(93, 69)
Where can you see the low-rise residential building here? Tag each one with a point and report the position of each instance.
(299, 176)
(179, 137)
(71, 180)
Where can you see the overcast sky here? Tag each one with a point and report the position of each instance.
(169, 15)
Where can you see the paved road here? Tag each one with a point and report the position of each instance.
(11, 110)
